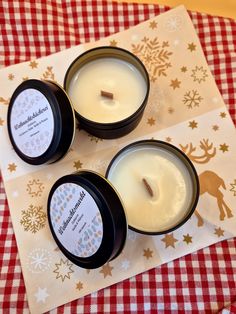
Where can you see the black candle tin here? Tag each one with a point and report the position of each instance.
(87, 219)
(118, 128)
(41, 122)
(186, 162)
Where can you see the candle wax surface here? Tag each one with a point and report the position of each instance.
(112, 75)
(169, 180)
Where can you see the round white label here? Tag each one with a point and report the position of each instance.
(32, 122)
(76, 220)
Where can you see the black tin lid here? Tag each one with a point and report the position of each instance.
(87, 219)
(41, 121)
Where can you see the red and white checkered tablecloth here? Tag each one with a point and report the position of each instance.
(203, 282)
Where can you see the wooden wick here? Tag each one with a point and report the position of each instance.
(106, 94)
(148, 187)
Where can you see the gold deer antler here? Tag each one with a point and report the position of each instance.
(205, 146)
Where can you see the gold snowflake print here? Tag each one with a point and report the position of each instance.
(219, 232)
(147, 253)
(4, 101)
(113, 43)
(199, 74)
(33, 64)
(171, 110)
(183, 69)
(77, 164)
(175, 83)
(63, 269)
(153, 24)
(151, 121)
(192, 47)
(94, 138)
(187, 238)
(25, 78)
(193, 124)
(1, 121)
(11, 77)
(35, 188)
(222, 115)
(233, 189)
(48, 74)
(215, 127)
(155, 57)
(192, 99)
(169, 240)
(224, 147)
(33, 219)
(79, 285)
(168, 139)
(12, 167)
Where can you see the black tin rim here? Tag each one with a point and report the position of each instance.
(56, 150)
(116, 124)
(188, 164)
(107, 250)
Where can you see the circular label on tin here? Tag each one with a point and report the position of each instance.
(32, 122)
(76, 220)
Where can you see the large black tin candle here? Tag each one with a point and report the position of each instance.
(87, 219)
(41, 122)
(109, 88)
(157, 183)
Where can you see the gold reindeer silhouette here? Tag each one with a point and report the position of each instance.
(210, 182)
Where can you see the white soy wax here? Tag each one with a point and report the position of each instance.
(164, 199)
(112, 75)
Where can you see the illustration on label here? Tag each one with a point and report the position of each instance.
(76, 220)
(32, 122)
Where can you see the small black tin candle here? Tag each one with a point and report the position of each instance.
(87, 219)
(157, 183)
(109, 88)
(41, 122)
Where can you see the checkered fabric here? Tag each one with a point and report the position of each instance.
(204, 281)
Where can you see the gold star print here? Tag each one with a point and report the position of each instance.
(153, 25)
(4, 101)
(169, 240)
(224, 148)
(147, 253)
(187, 238)
(222, 115)
(1, 121)
(79, 285)
(25, 78)
(12, 167)
(184, 69)
(151, 121)
(113, 43)
(33, 64)
(193, 124)
(215, 127)
(171, 110)
(35, 188)
(219, 232)
(168, 139)
(175, 83)
(11, 77)
(77, 164)
(192, 47)
(106, 270)
(233, 189)
(63, 269)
